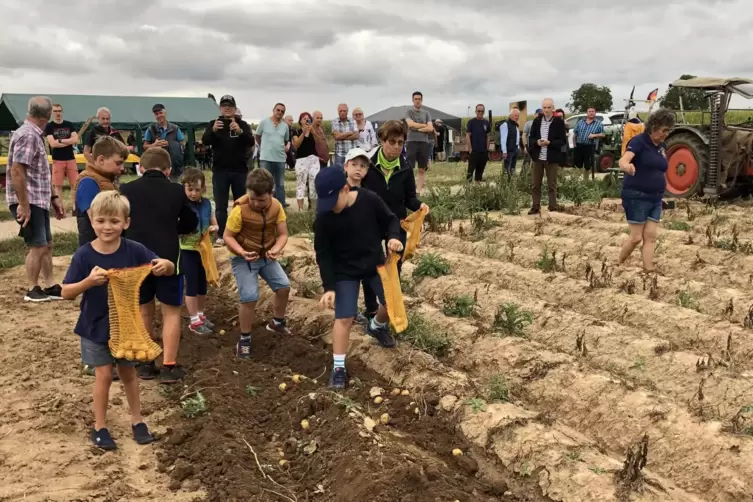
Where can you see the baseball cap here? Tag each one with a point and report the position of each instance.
(328, 182)
(354, 153)
(538, 110)
(158, 107)
(227, 99)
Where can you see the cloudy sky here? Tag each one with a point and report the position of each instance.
(313, 54)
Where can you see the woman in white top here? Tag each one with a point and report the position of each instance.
(368, 138)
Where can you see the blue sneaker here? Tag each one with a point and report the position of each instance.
(209, 324)
(338, 379)
(243, 349)
(141, 433)
(382, 335)
(103, 440)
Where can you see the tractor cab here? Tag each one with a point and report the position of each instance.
(714, 156)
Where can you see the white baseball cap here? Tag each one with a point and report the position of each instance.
(354, 153)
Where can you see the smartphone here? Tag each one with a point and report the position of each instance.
(667, 204)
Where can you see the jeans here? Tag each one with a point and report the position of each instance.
(247, 277)
(509, 163)
(277, 169)
(222, 183)
(641, 207)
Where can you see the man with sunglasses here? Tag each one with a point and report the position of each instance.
(273, 135)
(477, 137)
(230, 137)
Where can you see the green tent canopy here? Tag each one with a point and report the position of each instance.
(129, 113)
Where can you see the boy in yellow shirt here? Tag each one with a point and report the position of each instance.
(256, 233)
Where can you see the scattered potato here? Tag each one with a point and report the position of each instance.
(384, 419)
(378, 400)
(417, 411)
(395, 392)
(283, 387)
(222, 331)
(283, 463)
(457, 452)
(405, 392)
(304, 424)
(297, 378)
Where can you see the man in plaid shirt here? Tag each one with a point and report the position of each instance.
(30, 196)
(346, 134)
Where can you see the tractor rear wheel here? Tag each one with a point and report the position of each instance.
(688, 160)
(605, 162)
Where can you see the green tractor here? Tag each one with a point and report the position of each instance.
(712, 158)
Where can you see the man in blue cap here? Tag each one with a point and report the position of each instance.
(526, 140)
(348, 232)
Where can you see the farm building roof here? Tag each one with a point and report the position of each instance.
(128, 112)
(398, 113)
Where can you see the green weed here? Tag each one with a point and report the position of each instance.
(425, 335)
(458, 306)
(431, 265)
(511, 320)
(194, 406)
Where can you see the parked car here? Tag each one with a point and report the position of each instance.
(608, 150)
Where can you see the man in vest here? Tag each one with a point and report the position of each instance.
(163, 134)
(509, 140)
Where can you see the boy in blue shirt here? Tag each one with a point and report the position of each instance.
(190, 260)
(87, 275)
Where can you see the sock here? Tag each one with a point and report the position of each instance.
(195, 319)
(278, 321)
(201, 315)
(245, 336)
(376, 324)
(339, 360)
(167, 365)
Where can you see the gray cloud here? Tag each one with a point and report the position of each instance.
(313, 55)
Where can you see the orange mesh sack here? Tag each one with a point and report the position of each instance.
(412, 226)
(208, 261)
(393, 295)
(128, 336)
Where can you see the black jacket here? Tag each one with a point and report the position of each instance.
(229, 153)
(557, 139)
(160, 212)
(399, 193)
(348, 244)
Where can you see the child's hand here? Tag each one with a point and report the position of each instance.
(272, 254)
(162, 267)
(98, 276)
(395, 245)
(250, 255)
(213, 228)
(424, 207)
(327, 300)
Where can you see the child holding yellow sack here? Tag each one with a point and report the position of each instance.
(191, 263)
(348, 232)
(87, 276)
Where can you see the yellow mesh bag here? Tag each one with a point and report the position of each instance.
(208, 261)
(393, 295)
(128, 336)
(412, 226)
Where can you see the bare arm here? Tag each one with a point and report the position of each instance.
(19, 183)
(88, 154)
(73, 291)
(282, 238)
(297, 140)
(427, 128)
(258, 140)
(468, 141)
(414, 125)
(626, 160)
(232, 243)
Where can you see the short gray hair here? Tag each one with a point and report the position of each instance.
(40, 107)
(663, 117)
(103, 109)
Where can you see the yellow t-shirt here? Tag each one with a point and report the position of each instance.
(235, 220)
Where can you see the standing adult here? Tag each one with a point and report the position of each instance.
(273, 135)
(420, 127)
(645, 164)
(104, 118)
(291, 153)
(477, 137)
(346, 135)
(229, 139)
(547, 140)
(307, 162)
(367, 138)
(30, 196)
(509, 140)
(588, 132)
(526, 139)
(166, 135)
(322, 147)
(61, 136)
(440, 131)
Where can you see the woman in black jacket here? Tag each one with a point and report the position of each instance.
(548, 137)
(391, 178)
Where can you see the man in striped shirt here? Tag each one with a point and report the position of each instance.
(588, 132)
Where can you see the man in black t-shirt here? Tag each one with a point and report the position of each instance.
(61, 136)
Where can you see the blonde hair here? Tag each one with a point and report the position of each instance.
(155, 158)
(110, 203)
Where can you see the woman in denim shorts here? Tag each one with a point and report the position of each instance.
(644, 164)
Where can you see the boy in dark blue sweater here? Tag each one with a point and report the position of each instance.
(348, 232)
(87, 275)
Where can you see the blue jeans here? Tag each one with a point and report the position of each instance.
(641, 207)
(339, 161)
(509, 162)
(277, 169)
(247, 277)
(222, 183)
(346, 295)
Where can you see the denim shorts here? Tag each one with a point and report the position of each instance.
(247, 277)
(98, 354)
(346, 295)
(37, 233)
(641, 207)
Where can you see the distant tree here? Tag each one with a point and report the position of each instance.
(692, 99)
(590, 95)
